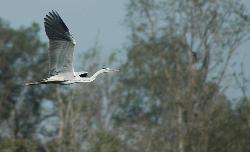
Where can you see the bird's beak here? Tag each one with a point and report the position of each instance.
(115, 70)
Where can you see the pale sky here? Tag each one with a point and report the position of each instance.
(88, 20)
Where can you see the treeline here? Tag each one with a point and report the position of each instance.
(168, 96)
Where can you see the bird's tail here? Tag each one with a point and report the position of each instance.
(37, 82)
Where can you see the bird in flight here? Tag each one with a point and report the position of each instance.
(61, 48)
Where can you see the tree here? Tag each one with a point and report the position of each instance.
(170, 86)
(22, 59)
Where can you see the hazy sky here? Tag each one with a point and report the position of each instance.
(88, 20)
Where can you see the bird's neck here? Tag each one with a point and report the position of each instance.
(93, 77)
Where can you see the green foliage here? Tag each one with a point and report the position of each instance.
(107, 142)
(17, 145)
(165, 89)
(22, 58)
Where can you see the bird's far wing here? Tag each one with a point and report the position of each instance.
(81, 73)
(61, 44)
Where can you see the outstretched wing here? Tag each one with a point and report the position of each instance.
(61, 44)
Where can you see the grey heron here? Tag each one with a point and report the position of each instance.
(61, 48)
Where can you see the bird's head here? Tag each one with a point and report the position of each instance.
(106, 70)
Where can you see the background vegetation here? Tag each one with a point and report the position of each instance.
(169, 95)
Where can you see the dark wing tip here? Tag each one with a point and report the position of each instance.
(55, 27)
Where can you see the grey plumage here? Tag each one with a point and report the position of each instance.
(61, 45)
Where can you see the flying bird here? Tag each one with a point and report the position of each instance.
(61, 49)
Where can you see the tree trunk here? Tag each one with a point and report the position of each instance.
(180, 125)
(61, 108)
